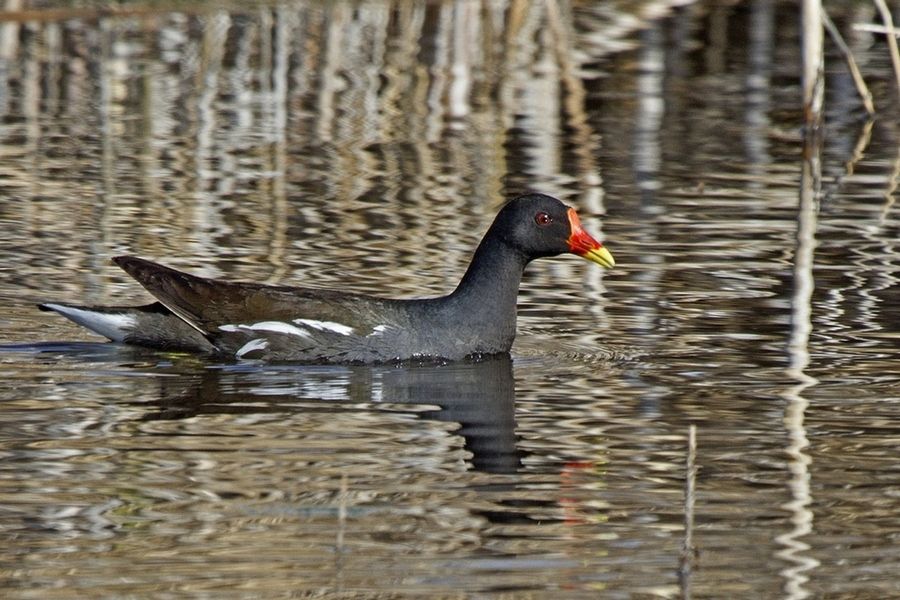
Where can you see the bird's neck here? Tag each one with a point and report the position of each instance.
(489, 288)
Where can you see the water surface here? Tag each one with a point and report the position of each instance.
(367, 145)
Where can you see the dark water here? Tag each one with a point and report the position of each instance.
(368, 145)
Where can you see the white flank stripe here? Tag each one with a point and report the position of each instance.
(279, 327)
(325, 326)
(270, 326)
(257, 344)
(112, 326)
(378, 330)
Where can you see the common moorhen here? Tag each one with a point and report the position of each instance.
(257, 321)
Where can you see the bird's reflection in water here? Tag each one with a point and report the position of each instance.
(479, 395)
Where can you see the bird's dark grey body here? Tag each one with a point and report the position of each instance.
(256, 321)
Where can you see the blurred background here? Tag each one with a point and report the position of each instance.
(367, 145)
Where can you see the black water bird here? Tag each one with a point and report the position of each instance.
(257, 321)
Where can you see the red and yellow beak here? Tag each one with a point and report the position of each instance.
(582, 244)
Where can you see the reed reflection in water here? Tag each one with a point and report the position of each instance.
(366, 146)
(215, 119)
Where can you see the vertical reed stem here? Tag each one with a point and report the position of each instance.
(813, 65)
(690, 486)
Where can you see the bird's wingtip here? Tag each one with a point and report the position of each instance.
(124, 258)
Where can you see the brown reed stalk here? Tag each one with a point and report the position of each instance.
(891, 38)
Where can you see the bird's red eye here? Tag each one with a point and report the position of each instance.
(543, 219)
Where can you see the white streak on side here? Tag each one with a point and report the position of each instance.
(110, 325)
(278, 327)
(269, 326)
(378, 330)
(257, 344)
(325, 326)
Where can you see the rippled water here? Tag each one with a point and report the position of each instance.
(368, 145)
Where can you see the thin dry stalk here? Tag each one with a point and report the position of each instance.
(690, 485)
(891, 39)
(862, 143)
(861, 86)
(813, 65)
(893, 184)
(872, 28)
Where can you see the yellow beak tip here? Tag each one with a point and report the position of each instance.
(601, 256)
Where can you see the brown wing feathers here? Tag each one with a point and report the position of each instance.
(186, 295)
